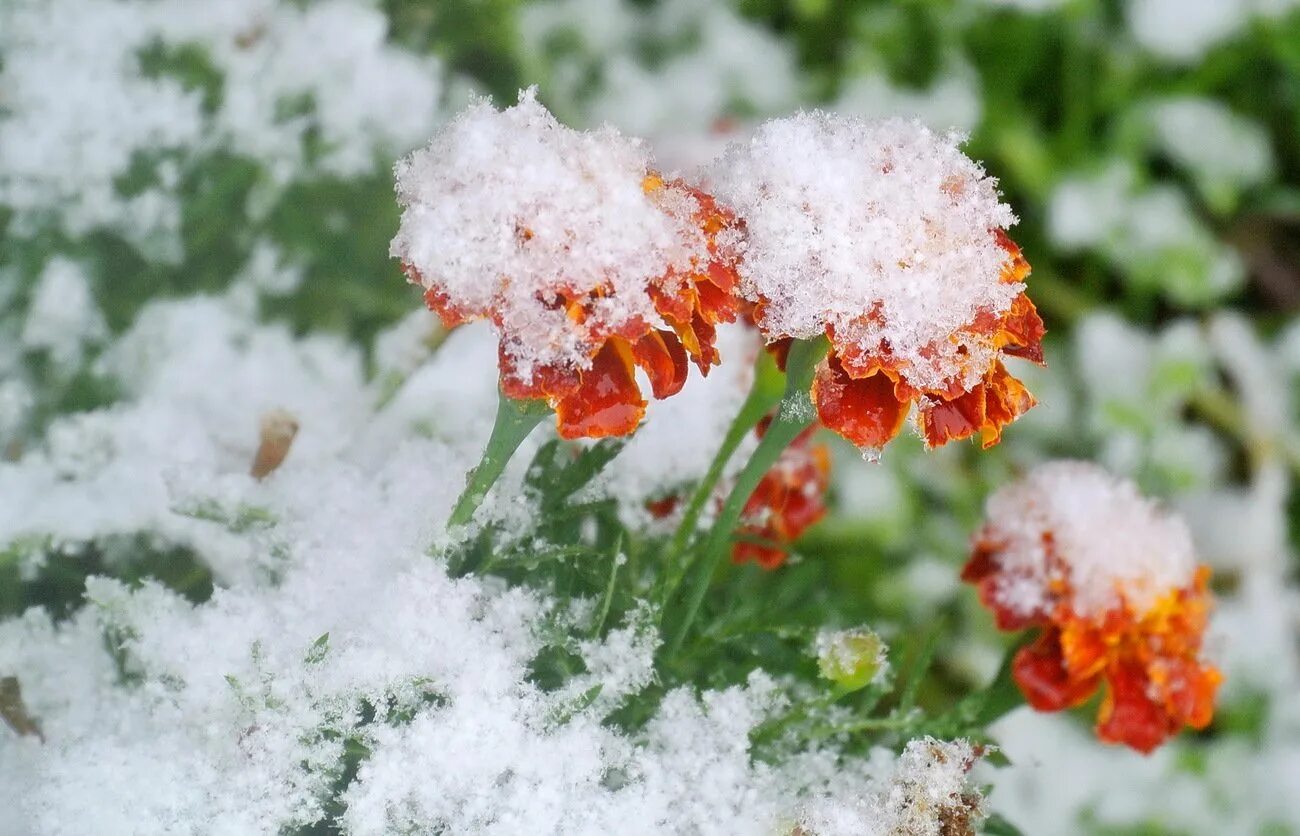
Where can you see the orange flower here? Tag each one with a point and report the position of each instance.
(866, 396)
(1144, 647)
(604, 398)
(885, 238)
(788, 500)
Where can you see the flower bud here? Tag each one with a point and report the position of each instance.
(852, 659)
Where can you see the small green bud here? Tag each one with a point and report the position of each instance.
(852, 659)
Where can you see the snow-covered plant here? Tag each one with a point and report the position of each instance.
(283, 550)
(1114, 584)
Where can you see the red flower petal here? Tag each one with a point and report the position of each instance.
(439, 303)
(1005, 400)
(767, 557)
(981, 563)
(608, 401)
(865, 411)
(661, 354)
(988, 407)
(550, 383)
(705, 334)
(953, 420)
(788, 500)
(1128, 714)
(1040, 671)
(1189, 691)
(1017, 268)
(1022, 331)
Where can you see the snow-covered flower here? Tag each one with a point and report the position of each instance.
(886, 238)
(1112, 582)
(584, 258)
(789, 499)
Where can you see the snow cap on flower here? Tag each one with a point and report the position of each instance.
(1071, 524)
(1112, 581)
(888, 239)
(585, 260)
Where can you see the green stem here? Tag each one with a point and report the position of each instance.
(762, 399)
(794, 416)
(515, 420)
(893, 722)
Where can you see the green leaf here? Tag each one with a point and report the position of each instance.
(565, 474)
(911, 685)
(319, 648)
(994, 756)
(608, 597)
(240, 520)
(567, 712)
(1001, 696)
(995, 825)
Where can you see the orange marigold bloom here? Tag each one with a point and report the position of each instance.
(887, 239)
(789, 499)
(866, 396)
(604, 399)
(586, 261)
(1110, 583)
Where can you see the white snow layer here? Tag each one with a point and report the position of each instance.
(332, 631)
(1074, 522)
(286, 72)
(847, 217)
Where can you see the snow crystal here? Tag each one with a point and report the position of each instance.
(952, 101)
(366, 96)
(731, 62)
(402, 348)
(62, 316)
(1254, 371)
(847, 218)
(928, 794)
(1073, 522)
(66, 155)
(16, 399)
(63, 152)
(506, 209)
(331, 630)
(200, 379)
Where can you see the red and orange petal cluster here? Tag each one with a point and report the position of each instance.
(865, 397)
(789, 499)
(1150, 663)
(604, 399)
